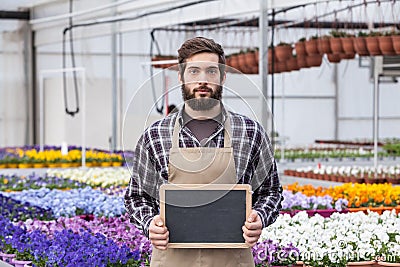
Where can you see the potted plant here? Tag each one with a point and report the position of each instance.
(373, 44)
(283, 51)
(386, 44)
(360, 46)
(300, 48)
(396, 42)
(311, 46)
(324, 45)
(336, 42)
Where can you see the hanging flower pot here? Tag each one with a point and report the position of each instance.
(348, 56)
(312, 46)
(283, 51)
(334, 58)
(250, 58)
(314, 60)
(302, 62)
(396, 43)
(324, 45)
(234, 62)
(373, 44)
(348, 45)
(386, 45)
(336, 45)
(360, 46)
(291, 64)
(300, 48)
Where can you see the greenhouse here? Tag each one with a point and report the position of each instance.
(199, 133)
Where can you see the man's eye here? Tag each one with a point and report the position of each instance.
(193, 71)
(212, 71)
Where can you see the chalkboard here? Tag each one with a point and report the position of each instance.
(205, 216)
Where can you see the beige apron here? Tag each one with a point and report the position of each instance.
(202, 165)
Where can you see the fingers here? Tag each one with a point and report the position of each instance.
(252, 229)
(158, 233)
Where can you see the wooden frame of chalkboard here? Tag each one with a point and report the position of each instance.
(189, 213)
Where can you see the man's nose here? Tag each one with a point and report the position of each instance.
(202, 79)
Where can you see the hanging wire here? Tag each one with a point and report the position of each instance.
(153, 90)
(71, 41)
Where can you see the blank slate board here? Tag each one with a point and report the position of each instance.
(205, 216)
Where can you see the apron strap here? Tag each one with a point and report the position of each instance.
(227, 132)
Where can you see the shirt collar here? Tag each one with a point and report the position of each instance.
(183, 117)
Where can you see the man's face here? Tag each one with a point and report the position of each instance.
(201, 81)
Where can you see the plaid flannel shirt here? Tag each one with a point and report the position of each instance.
(253, 156)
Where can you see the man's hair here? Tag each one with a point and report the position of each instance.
(199, 45)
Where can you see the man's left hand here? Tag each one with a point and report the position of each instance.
(252, 228)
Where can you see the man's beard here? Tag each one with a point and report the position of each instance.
(202, 103)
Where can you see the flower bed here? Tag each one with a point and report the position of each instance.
(120, 230)
(72, 202)
(294, 202)
(33, 181)
(357, 195)
(18, 211)
(337, 240)
(355, 174)
(31, 157)
(103, 177)
(65, 248)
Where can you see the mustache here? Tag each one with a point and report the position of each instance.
(202, 88)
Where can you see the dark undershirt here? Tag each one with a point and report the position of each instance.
(202, 129)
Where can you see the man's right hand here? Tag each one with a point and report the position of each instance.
(158, 233)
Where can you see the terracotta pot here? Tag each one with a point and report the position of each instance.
(396, 43)
(334, 58)
(250, 59)
(311, 47)
(291, 64)
(324, 46)
(302, 63)
(278, 67)
(360, 46)
(348, 45)
(314, 60)
(257, 56)
(373, 45)
(378, 210)
(348, 56)
(336, 45)
(300, 49)
(283, 52)
(242, 62)
(386, 45)
(234, 62)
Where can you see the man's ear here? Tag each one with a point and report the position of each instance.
(223, 78)
(180, 78)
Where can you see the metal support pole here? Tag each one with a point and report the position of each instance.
(114, 90)
(336, 108)
(378, 61)
(263, 61)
